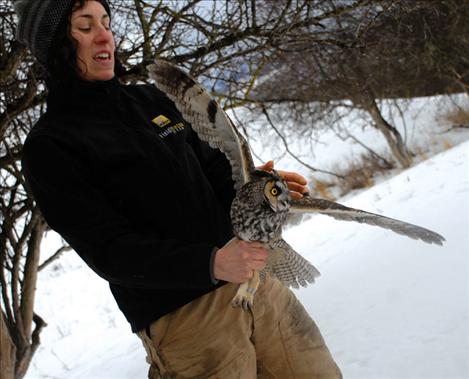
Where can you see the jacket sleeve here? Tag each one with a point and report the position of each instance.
(217, 168)
(81, 214)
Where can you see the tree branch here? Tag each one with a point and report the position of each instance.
(285, 144)
(54, 257)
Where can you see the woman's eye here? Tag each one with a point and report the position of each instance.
(84, 29)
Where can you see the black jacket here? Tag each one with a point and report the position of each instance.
(126, 182)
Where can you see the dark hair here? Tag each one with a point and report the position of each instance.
(62, 65)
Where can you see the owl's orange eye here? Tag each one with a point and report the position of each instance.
(274, 191)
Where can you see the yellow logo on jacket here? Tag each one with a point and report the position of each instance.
(161, 121)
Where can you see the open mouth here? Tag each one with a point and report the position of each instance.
(102, 57)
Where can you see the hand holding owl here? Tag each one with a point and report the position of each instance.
(297, 184)
(236, 261)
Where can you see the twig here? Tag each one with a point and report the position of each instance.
(54, 257)
(285, 143)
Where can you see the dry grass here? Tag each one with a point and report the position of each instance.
(322, 188)
(447, 145)
(361, 173)
(358, 174)
(456, 117)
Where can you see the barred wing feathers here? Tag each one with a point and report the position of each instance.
(341, 212)
(288, 266)
(208, 119)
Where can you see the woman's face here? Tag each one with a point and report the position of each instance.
(95, 50)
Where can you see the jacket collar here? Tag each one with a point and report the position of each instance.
(84, 96)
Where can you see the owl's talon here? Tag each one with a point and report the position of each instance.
(244, 298)
(243, 303)
(236, 302)
(247, 304)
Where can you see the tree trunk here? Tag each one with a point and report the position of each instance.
(30, 339)
(7, 351)
(18, 340)
(392, 135)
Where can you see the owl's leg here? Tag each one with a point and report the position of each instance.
(245, 295)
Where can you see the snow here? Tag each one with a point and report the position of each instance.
(391, 307)
(422, 125)
(388, 306)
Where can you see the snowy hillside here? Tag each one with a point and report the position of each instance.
(388, 306)
(392, 307)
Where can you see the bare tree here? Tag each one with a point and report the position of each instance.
(226, 43)
(379, 50)
(21, 225)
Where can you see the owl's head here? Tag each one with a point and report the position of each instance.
(275, 190)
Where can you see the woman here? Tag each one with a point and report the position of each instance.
(148, 211)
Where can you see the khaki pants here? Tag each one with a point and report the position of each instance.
(208, 338)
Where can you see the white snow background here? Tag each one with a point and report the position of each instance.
(388, 306)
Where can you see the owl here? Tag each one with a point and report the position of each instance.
(262, 203)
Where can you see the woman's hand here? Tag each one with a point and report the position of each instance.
(236, 261)
(296, 183)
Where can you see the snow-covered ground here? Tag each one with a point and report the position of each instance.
(391, 307)
(388, 306)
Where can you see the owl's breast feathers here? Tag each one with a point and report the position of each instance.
(252, 218)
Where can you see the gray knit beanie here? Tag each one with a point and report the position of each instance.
(38, 21)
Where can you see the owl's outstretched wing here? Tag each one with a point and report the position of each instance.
(341, 212)
(206, 116)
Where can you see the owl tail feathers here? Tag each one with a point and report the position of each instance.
(290, 267)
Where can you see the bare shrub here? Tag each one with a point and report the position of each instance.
(324, 189)
(361, 173)
(456, 117)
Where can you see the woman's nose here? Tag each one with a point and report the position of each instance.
(103, 35)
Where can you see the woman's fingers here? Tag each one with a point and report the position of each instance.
(296, 195)
(297, 184)
(296, 187)
(235, 261)
(293, 177)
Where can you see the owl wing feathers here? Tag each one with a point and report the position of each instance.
(288, 266)
(212, 125)
(206, 116)
(341, 212)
